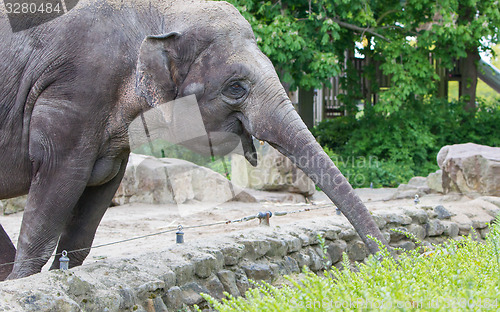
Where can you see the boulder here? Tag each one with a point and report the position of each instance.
(258, 272)
(435, 227)
(173, 181)
(357, 251)
(395, 216)
(416, 186)
(12, 205)
(288, 266)
(442, 213)
(450, 228)
(418, 231)
(274, 172)
(228, 280)
(215, 287)
(470, 169)
(191, 293)
(435, 181)
(152, 180)
(336, 249)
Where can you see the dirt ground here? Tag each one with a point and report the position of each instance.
(135, 220)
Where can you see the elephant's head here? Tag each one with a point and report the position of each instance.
(216, 58)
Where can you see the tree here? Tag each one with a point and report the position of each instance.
(299, 45)
(307, 41)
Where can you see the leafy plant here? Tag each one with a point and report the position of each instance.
(324, 251)
(386, 150)
(307, 41)
(456, 276)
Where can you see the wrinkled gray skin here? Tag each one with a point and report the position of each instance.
(70, 88)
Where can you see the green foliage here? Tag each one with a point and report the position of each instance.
(306, 40)
(387, 150)
(455, 276)
(400, 136)
(334, 133)
(298, 43)
(324, 250)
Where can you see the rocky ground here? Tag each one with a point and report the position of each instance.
(155, 274)
(134, 220)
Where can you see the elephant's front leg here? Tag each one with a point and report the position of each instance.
(62, 154)
(80, 230)
(52, 196)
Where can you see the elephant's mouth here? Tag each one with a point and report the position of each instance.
(223, 143)
(226, 141)
(248, 147)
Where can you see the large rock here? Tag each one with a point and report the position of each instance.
(435, 181)
(12, 205)
(166, 180)
(152, 180)
(416, 186)
(470, 169)
(274, 172)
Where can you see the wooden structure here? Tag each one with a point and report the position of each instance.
(326, 104)
(319, 104)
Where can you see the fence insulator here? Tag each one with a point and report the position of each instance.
(417, 199)
(264, 217)
(64, 261)
(179, 235)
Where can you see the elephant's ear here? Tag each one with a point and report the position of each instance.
(159, 69)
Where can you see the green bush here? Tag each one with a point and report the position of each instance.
(456, 276)
(405, 143)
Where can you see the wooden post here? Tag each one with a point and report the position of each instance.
(443, 80)
(468, 80)
(306, 103)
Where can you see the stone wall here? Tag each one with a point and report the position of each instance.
(174, 276)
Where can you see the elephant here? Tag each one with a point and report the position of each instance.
(71, 86)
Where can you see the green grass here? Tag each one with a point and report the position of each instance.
(456, 276)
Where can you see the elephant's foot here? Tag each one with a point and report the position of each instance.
(7, 254)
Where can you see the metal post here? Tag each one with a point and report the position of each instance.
(64, 261)
(264, 218)
(179, 235)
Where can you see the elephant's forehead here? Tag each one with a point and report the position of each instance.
(216, 16)
(161, 5)
(202, 9)
(250, 55)
(221, 13)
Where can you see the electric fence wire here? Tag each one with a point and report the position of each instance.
(240, 220)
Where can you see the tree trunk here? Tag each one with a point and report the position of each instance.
(468, 81)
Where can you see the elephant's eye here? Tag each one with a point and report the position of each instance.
(235, 90)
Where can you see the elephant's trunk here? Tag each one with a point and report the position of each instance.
(284, 129)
